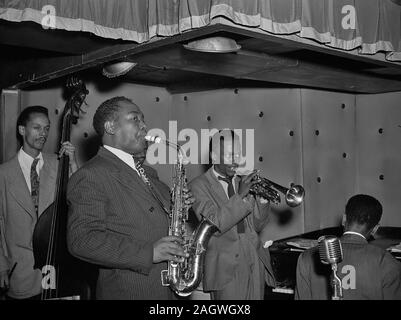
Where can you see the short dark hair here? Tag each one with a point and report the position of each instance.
(107, 111)
(364, 210)
(25, 115)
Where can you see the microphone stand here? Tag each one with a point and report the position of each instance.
(336, 284)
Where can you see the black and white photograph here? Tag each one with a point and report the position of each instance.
(201, 156)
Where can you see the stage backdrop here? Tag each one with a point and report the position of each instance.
(370, 26)
(334, 144)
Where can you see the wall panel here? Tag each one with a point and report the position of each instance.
(328, 121)
(10, 104)
(378, 134)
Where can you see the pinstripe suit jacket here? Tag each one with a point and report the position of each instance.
(113, 222)
(18, 220)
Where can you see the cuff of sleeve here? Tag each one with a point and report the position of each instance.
(247, 204)
(147, 262)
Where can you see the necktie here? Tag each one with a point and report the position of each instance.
(231, 192)
(35, 185)
(146, 180)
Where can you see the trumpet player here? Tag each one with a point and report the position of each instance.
(236, 265)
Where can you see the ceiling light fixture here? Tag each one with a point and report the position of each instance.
(213, 45)
(117, 69)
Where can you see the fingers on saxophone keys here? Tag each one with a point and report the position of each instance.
(177, 254)
(173, 239)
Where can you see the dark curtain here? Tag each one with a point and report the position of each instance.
(371, 26)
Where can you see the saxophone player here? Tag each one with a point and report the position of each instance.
(118, 215)
(236, 266)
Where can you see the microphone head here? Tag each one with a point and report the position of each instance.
(330, 249)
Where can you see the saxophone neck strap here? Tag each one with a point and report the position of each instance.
(147, 182)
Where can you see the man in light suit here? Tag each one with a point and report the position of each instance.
(118, 214)
(367, 272)
(236, 265)
(20, 208)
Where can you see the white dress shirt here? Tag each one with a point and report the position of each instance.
(123, 156)
(354, 233)
(25, 162)
(223, 183)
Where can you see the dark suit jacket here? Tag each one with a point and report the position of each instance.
(223, 251)
(367, 272)
(113, 222)
(18, 220)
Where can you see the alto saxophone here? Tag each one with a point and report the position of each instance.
(184, 277)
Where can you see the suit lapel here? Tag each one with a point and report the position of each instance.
(19, 190)
(219, 190)
(126, 175)
(216, 185)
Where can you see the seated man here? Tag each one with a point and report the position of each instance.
(366, 271)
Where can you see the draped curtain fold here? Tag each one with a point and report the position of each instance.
(370, 26)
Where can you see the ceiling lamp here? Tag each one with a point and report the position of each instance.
(213, 45)
(117, 69)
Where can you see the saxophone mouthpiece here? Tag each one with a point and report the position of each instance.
(153, 139)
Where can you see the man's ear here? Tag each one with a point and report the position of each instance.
(109, 127)
(21, 130)
(213, 156)
(374, 229)
(344, 220)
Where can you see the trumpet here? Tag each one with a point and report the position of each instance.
(270, 191)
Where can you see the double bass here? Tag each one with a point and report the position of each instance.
(64, 277)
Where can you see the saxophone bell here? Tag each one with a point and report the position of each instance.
(184, 277)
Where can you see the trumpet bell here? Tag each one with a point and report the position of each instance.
(295, 195)
(270, 191)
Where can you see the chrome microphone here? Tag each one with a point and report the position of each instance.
(331, 252)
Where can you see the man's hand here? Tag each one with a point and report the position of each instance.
(246, 183)
(68, 149)
(168, 248)
(188, 198)
(4, 281)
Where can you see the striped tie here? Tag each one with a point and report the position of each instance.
(35, 185)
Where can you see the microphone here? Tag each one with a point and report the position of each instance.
(156, 139)
(331, 252)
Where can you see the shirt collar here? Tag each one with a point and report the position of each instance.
(28, 158)
(123, 156)
(354, 233)
(216, 173)
(220, 175)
